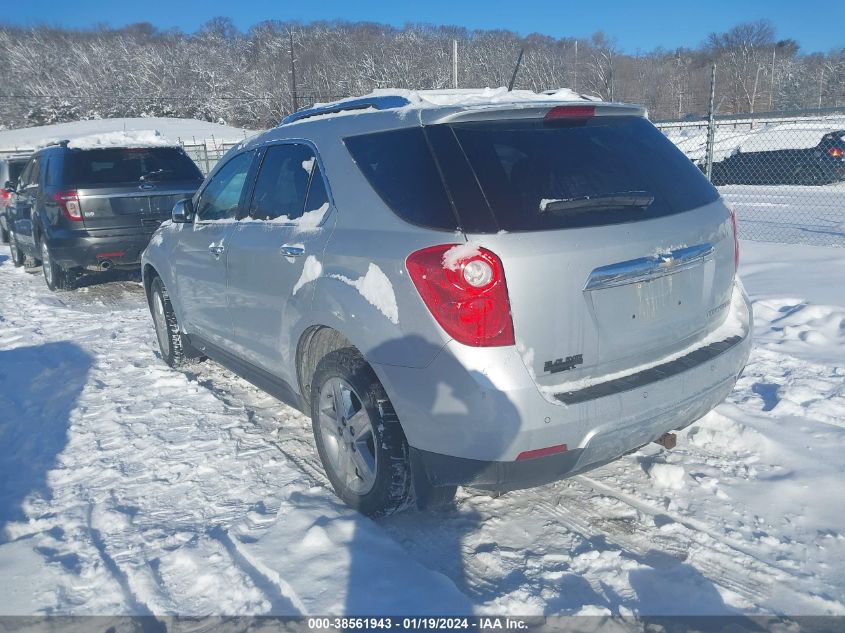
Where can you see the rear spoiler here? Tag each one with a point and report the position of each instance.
(530, 110)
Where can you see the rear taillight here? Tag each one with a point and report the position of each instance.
(69, 204)
(570, 112)
(465, 291)
(836, 152)
(736, 238)
(5, 196)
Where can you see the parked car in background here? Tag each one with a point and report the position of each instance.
(81, 209)
(10, 170)
(488, 294)
(819, 165)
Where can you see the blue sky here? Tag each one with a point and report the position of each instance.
(816, 25)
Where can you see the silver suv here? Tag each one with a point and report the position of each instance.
(495, 294)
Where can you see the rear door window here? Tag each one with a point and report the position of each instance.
(123, 165)
(282, 184)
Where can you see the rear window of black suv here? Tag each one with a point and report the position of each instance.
(530, 175)
(122, 165)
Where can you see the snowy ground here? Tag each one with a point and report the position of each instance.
(127, 487)
(789, 213)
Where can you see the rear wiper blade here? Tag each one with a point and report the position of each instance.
(154, 172)
(622, 199)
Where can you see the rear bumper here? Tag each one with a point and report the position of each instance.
(467, 424)
(94, 252)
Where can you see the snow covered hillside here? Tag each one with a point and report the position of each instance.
(128, 487)
(186, 131)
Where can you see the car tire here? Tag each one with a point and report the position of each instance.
(18, 257)
(174, 348)
(56, 276)
(368, 466)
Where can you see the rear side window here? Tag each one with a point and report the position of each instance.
(530, 175)
(401, 169)
(282, 184)
(124, 165)
(16, 169)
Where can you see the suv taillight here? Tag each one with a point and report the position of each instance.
(465, 291)
(836, 152)
(736, 238)
(69, 204)
(5, 196)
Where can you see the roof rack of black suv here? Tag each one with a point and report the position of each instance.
(56, 143)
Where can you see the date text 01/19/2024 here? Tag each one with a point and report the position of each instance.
(418, 623)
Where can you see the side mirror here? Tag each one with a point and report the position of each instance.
(11, 185)
(183, 211)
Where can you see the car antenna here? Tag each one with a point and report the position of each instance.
(516, 69)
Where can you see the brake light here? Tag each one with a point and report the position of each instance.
(736, 238)
(5, 196)
(466, 294)
(836, 152)
(570, 112)
(69, 204)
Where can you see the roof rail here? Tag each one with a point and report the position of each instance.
(385, 102)
(55, 142)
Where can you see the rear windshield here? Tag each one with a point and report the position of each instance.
(530, 175)
(128, 165)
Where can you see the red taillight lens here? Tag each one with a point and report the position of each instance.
(570, 112)
(541, 452)
(736, 238)
(69, 204)
(836, 152)
(5, 196)
(465, 291)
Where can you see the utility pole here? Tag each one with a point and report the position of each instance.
(293, 74)
(711, 125)
(772, 82)
(821, 86)
(575, 81)
(454, 63)
(516, 69)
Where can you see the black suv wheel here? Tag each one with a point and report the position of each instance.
(56, 276)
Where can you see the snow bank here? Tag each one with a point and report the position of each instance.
(188, 131)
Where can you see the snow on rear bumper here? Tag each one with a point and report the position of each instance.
(482, 404)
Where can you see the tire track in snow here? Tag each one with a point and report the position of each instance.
(136, 606)
(283, 600)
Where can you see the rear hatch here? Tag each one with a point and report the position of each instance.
(616, 250)
(129, 188)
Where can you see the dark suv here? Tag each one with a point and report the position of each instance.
(820, 165)
(79, 209)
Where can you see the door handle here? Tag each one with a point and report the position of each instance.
(216, 249)
(292, 251)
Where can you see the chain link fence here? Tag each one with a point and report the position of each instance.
(784, 176)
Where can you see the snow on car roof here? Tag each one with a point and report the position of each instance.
(405, 100)
(131, 138)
